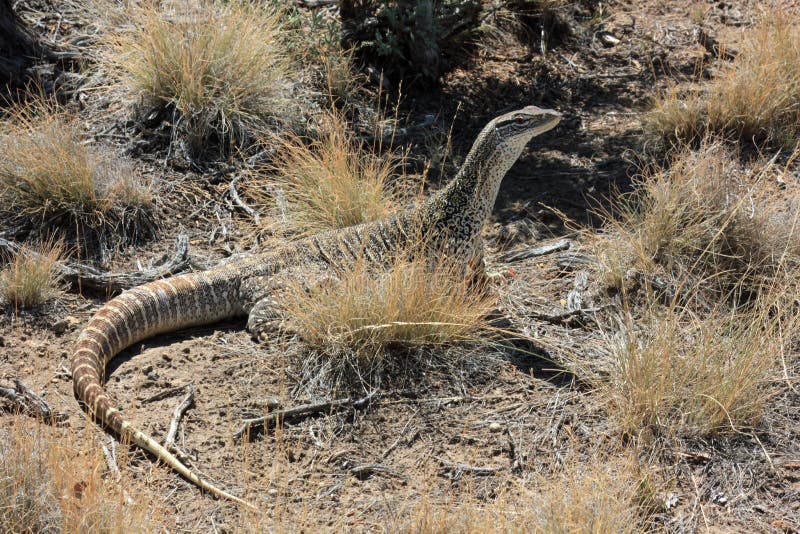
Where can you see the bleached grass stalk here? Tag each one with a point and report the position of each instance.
(222, 66)
(31, 279)
(368, 310)
(754, 99)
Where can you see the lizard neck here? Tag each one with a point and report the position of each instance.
(467, 201)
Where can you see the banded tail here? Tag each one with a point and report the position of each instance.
(144, 311)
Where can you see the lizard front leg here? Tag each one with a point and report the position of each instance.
(270, 294)
(267, 317)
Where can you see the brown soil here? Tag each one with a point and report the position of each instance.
(509, 405)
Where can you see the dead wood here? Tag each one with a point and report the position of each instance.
(20, 48)
(165, 394)
(85, 276)
(456, 469)
(569, 317)
(28, 402)
(300, 412)
(573, 261)
(311, 4)
(363, 472)
(111, 461)
(561, 244)
(177, 415)
(241, 204)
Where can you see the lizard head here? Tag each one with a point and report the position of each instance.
(516, 128)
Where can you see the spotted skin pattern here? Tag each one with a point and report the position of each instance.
(448, 223)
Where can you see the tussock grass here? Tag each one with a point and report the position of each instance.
(673, 372)
(51, 179)
(598, 496)
(704, 227)
(219, 68)
(31, 278)
(754, 99)
(332, 182)
(710, 257)
(415, 302)
(47, 486)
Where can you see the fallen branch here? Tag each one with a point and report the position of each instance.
(31, 404)
(561, 244)
(88, 277)
(459, 469)
(516, 464)
(299, 412)
(165, 394)
(177, 415)
(570, 316)
(575, 260)
(241, 204)
(363, 472)
(315, 3)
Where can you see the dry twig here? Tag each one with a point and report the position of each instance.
(241, 204)
(300, 412)
(456, 470)
(165, 394)
(30, 403)
(569, 317)
(177, 415)
(88, 277)
(561, 244)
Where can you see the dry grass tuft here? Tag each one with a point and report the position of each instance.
(703, 228)
(599, 496)
(713, 257)
(221, 67)
(754, 99)
(31, 277)
(50, 179)
(365, 313)
(46, 485)
(673, 372)
(331, 183)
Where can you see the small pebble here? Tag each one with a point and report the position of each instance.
(495, 427)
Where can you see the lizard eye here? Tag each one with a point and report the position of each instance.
(520, 120)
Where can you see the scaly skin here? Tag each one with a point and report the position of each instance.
(450, 223)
